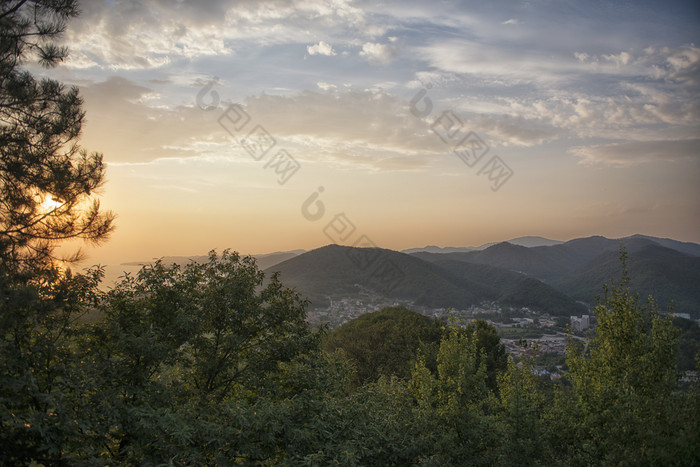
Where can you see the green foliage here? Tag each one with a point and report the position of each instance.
(625, 384)
(198, 335)
(455, 403)
(522, 403)
(688, 343)
(39, 368)
(209, 364)
(384, 343)
(489, 347)
(47, 185)
(550, 361)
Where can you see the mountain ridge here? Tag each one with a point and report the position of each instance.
(580, 267)
(329, 271)
(527, 241)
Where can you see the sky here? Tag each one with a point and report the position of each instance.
(266, 126)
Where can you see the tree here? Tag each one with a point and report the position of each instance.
(384, 343)
(47, 181)
(489, 342)
(179, 347)
(454, 403)
(39, 369)
(521, 403)
(47, 195)
(626, 385)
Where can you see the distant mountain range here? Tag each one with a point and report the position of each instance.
(535, 272)
(334, 271)
(264, 261)
(665, 268)
(548, 276)
(528, 241)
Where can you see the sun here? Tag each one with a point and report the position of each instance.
(50, 204)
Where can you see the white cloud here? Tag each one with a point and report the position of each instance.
(433, 79)
(155, 33)
(621, 59)
(637, 152)
(371, 128)
(516, 130)
(322, 48)
(507, 64)
(379, 53)
(511, 21)
(326, 86)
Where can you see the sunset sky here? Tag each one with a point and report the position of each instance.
(219, 119)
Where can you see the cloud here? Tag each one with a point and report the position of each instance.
(379, 53)
(127, 126)
(637, 152)
(326, 86)
(511, 21)
(666, 64)
(347, 120)
(516, 130)
(156, 33)
(510, 65)
(322, 48)
(433, 79)
(642, 96)
(370, 129)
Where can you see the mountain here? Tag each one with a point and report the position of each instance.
(264, 261)
(666, 274)
(529, 241)
(270, 259)
(516, 289)
(332, 271)
(338, 271)
(692, 249)
(168, 260)
(440, 249)
(548, 263)
(579, 267)
(544, 263)
(534, 272)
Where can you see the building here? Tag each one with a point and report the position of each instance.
(580, 324)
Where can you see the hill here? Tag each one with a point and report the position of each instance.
(688, 248)
(385, 342)
(578, 268)
(264, 261)
(332, 271)
(528, 241)
(516, 289)
(336, 271)
(546, 263)
(666, 274)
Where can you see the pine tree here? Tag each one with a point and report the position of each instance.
(47, 181)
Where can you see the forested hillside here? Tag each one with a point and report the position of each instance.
(668, 269)
(331, 272)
